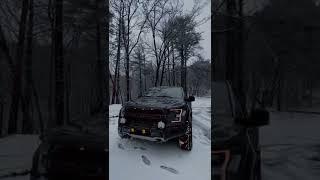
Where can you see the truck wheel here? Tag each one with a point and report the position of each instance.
(122, 135)
(258, 167)
(185, 141)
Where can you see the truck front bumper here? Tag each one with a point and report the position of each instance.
(152, 134)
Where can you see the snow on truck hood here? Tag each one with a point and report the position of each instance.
(156, 102)
(71, 135)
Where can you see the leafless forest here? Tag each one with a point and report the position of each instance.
(268, 50)
(51, 68)
(155, 43)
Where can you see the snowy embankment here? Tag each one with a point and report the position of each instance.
(291, 146)
(16, 156)
(137, 159)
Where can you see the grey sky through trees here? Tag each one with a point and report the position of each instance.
(205, 28)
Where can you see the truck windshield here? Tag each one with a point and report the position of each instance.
(173, 92)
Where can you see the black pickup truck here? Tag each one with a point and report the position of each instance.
(161, 114)
(235, 136)
(77, 150)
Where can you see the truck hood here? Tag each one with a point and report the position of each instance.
(156, 102)
(93, 133)
(71, 135)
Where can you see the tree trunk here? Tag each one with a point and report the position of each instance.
(5, 49)
(140, 75)
(173, 67)
(279, 97)
(1, 116)
(168, 68)
(144, 73)
(68, 92)
(37, 104)
(183, 71)
(100, 66)
(51, 68)
(115, 93)
(240, 61)
(125, 35)
(163, 68)
(16, 94)
(59, 64)
(156, 56)
(27, 119)
(311, 92)
(127, 76)
(118, 85)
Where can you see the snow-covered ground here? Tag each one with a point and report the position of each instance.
(137, 159)
(16, 155)
(290, 150)
(291, 146)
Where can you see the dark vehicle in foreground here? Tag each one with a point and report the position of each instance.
(162, 114)
(74, 151)
(235, 140)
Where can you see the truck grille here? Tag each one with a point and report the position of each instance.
(147, 118)
(70, 160)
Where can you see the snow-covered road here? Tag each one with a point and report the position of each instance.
(16, 155)
(290, 150)
(291, 147)
(137, 159)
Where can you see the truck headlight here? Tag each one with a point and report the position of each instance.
(161, 125)
(178, 114)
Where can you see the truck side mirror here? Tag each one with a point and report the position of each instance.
(191, 98)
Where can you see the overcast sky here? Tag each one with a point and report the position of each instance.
(205, 28)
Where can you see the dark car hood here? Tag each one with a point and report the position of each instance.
(93, 134)
(224, 130)
(70, 136)
(156, 102)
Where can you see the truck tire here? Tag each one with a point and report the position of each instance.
(185, 141)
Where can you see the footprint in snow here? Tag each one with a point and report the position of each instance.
(204, 142)
(172, 170)
(120, 146)
(142, 148)
(146, 160)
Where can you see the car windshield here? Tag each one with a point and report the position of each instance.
(173, 92)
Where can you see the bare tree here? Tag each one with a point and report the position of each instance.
(27, 119)
(16, 85)
(139, 60)
(59, 64)
(155, 25)
(130, 22)
(118, 11)
(185, 40)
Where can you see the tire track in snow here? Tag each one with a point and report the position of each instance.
(201, 120)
